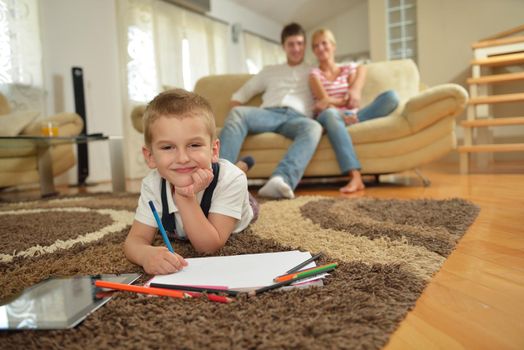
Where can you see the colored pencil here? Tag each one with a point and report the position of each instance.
(213, 297)
(308, 269)
(306, 273)
(143, 290)
(160, 291)
(219, 298)
(286, 283)
(195, 289)
(161, 227)
(302, 264)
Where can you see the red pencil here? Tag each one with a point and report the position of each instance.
(212, 297)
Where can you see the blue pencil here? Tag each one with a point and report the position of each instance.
(161, 227)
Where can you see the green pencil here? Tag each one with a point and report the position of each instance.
(306, 273)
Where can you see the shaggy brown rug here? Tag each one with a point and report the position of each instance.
(387, 252)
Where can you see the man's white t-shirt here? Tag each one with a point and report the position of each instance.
(282, 86)
(230, 198)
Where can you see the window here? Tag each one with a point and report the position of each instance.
(163, 46)
(21, 77)
(401, 29)
(260, 52)
(141, 69)
(167, 46)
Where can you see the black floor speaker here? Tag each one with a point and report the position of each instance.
(80, 109)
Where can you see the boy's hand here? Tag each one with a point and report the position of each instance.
(201, 179)
(160, 261)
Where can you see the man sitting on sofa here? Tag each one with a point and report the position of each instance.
(286, 109)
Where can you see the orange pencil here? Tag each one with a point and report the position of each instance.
(142, 290)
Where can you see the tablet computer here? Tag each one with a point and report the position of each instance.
(57, 303)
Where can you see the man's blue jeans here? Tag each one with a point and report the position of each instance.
(339, 137)
(305, 133)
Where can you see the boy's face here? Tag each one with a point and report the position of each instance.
(294, 46)
(179, 147)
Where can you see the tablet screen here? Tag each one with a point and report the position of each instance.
(58, 303)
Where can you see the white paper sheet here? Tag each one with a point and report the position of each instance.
(236, 271)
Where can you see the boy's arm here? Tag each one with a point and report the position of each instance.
(207, 235)
(154, 260)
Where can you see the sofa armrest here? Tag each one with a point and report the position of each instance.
(433, 104)
(136, 118)
(69, 124)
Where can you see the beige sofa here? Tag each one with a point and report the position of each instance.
(419, 131)
(18, 162)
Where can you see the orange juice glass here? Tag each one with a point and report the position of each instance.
(49, 129)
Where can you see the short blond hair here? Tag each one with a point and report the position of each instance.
(180, 104)
(325, 32)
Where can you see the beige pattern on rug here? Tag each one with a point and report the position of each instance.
(275, 223)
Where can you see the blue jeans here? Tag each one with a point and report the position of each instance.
(340, 139)
(304, 132)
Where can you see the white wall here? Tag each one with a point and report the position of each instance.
(232, 13)
(83, 33)
(447, 28)
(377, 30)
(350, 29)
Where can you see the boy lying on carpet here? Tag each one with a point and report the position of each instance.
(182, 149)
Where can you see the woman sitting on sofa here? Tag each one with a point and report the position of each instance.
(337, 91)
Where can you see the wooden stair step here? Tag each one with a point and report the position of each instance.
(497, 78)
(500, 60)
(492, 122)
(497, 42)
(506, 147)
(505, 33)
(516, 97)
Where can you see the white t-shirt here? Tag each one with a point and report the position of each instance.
(230, 198)
(283, 86)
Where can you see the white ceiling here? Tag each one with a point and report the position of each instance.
(309, 13)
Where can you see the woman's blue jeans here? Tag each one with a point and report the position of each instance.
(305, 133)
(340, 139)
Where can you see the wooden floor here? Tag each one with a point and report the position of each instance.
(476, 301)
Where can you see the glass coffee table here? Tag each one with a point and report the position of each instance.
(44, 144)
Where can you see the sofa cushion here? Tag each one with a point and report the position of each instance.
(4, 105)
(13, 123)
(399, 75)
(434, 104)
(218, 89)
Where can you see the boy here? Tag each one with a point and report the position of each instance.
(181, 147)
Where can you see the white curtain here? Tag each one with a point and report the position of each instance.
(21, 77)
(164, 46)
(261, 52)
(189, 46)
